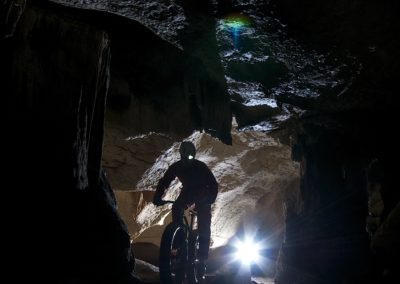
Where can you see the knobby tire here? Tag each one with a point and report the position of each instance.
(173, 255)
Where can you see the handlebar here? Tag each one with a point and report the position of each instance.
(190, 208)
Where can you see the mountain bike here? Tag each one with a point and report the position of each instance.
(178, 251)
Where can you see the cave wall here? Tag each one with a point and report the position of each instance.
(339, 21)
(366, 30)
(57, 64)
(55, 68)
(326, 238)
(154, 84)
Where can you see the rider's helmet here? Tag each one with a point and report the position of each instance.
(187, 150)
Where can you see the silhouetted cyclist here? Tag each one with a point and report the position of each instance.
(199, 187)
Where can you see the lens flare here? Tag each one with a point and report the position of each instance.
(247, 251)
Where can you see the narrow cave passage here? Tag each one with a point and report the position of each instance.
(246, 180)
(272, 80)
(258, 180)
(292, 106)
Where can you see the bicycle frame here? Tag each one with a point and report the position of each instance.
(191, 237)
(189, 226)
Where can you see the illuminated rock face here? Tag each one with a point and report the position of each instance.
(256, 178)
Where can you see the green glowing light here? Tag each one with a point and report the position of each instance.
(236, 21)
(234, 24)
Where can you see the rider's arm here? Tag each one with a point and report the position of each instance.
(164, 182)
(212, 187)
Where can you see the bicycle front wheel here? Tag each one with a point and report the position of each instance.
(173, 255)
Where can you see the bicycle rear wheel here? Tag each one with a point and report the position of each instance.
(173, 255)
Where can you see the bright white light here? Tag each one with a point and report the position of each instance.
(247, 251)
(190, 157)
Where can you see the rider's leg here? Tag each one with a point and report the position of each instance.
(204, 231)
(178, 209)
